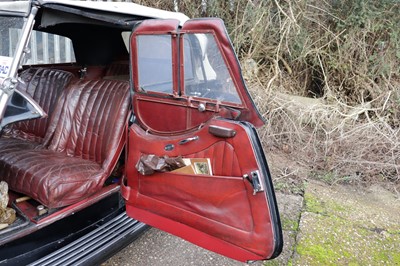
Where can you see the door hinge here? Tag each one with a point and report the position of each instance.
(255, 181)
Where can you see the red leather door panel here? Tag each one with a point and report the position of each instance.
(167, 116)
(220, 212)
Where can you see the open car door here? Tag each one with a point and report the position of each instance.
(190, 102)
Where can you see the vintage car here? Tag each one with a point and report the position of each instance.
(116, 117)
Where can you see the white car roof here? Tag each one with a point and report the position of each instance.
(122, 8)
(117, 7)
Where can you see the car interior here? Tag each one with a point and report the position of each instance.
(74, 155)
(173, 91)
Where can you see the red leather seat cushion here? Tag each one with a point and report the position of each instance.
(49, 177)
(8, 145)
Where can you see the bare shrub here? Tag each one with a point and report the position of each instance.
(346, 54)
(333, 138)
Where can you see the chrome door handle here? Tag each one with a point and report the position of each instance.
(184, 141)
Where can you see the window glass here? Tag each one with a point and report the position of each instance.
(126, 36)
(206, 74)
(187, 60)
(46, 48)
(155, 63)
(10, 27)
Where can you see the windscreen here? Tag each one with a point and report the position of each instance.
(14, 105)
(10, 30)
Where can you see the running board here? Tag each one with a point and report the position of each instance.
(97, 244)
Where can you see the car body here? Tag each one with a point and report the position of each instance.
(115, 113)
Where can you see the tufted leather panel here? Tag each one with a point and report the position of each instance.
(83, 141)
(44, 86)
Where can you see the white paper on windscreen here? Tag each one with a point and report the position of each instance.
(5, 65)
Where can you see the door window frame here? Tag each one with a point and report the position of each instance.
(184, 32)
(246, 110)
(170, 29)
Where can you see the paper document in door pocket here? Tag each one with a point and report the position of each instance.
(198, 166)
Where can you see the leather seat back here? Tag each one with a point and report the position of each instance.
(118, 68)
(89, 121)
(44, 86)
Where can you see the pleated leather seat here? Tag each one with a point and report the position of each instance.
(45, 87)
(84, 138)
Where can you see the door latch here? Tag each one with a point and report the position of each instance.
(255, 181)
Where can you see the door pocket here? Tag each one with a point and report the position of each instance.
(213, 198)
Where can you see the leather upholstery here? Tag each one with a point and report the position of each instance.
(9, 145)
(81, 145)
(44, 86)
(221, 206)
(89, 120)
(223, 158)
(118, 68)
(49, 177)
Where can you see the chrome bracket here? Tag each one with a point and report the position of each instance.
(255, 181)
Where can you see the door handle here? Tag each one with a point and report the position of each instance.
(184, 141)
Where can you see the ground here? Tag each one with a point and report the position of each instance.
(322, 225)
(344, 225)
